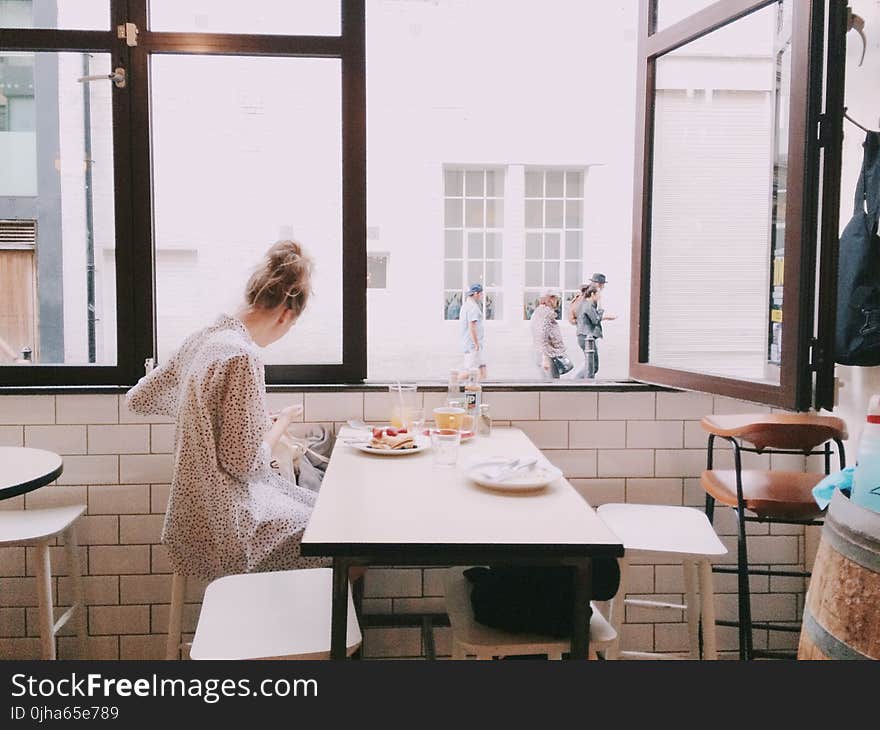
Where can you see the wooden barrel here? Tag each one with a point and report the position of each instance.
(842, 608)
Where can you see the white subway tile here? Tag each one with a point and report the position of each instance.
(670, 579)
(12, 503)
(20, 648)
(119, 620)
(680, 462)
(140, 529)
(626, 406)
(682, 406)
(729, 406)
(433, 581)
(60, 439)
(637, 637)
(626, 463)
(377, 406)
(512, 406)
(569, 405)
(55, 496)
(99, 590)
(11, 435)
(580, 464)
(87, 409)
(639, 579)
(695, 436)
(90, 470)
(671, 638)
(333, 406)
(147, 647)
(601, 491)
(545, 434)
(27, 409)
(774, 549)
(12, 622)
(789, 462)
(159, 562)
(392, 642)
(140, 589)
(644, 614)
(159, 497)
(11, 563)
(276, 401)
(128, 416)
(98, 648)
(597, 434)
(126, 439)
(654, 491)
(159, 618)
(392, 583)
(162, 438)
(654, 434)
(149, 469)
(119, 499)
(98, 530)
(58, 559)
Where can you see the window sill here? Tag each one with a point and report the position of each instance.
(609, 386)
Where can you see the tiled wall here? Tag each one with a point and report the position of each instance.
(613, 446)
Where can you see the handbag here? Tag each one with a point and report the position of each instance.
(287, 456)
(857, 336)
(561, 363)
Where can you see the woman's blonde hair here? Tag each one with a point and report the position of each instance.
(547, 297)
(283, 277)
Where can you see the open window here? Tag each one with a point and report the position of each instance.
(726, 261)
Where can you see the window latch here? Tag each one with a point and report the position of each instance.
(118, 77)
(127, 32)
(149, 364)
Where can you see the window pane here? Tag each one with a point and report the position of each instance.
(453, 248)
(474, 213)
(551, 273)
(454, 213)
(452, 275)
(574, 186)
(551, 246)
(533, 273)
(494, 185)
(303, 17)
(454, 183)
(475, 245)
(718, 168)
(494, 213)
(572, 275)
(534, 246)
(473, 183)
(530, 303)
(377, 270)
(58, 271)
(493, 246)
(493, 308)
(573, 249)
(555, 184)
(573, 213)
(278, 181)
(451, 305)
(474, 273)
(534, 184)
(554, 214)
(493, 273)
(65, 14)
(668, 12)
(534, 213)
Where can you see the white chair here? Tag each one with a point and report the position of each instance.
(36, 528)
(670, 534)
(484, 642)
(278, 615)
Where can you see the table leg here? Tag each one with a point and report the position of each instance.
(581, 611)
(339, 614)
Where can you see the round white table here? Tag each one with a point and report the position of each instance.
(23, 470)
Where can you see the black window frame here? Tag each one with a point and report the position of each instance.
(135, 251)
(807, 367)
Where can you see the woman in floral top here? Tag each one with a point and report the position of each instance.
(546, 335)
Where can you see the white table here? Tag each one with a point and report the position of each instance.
(23, 470)
(403, 510)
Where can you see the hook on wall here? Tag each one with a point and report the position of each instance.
(857, 23)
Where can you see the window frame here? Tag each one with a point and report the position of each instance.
(804, 350)
(135, 250)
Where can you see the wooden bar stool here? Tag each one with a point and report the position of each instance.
(680, 534)
(36, 528)
(767, 496)
(484, 642)
(278, 615)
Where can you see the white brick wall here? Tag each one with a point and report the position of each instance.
(636, 447)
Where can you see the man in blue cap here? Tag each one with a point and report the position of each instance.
(471, 318)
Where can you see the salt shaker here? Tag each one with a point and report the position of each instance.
(484, 421)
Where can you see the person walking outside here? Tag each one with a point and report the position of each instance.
(550, 355)
(472, 331)
(587, 314)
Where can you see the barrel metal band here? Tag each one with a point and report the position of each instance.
(847, 543)
(827, 643)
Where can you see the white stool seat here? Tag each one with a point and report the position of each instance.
(654, 528)
(679, 534)
(471, 637)
(277, 615)
(31, 526)
(36, 528)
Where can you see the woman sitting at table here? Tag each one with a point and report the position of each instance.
(229, 512)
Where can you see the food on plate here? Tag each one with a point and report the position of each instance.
(392, 439)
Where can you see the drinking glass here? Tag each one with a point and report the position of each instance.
(403, 397)
(449, 417)
(444, 446)
(414, 420)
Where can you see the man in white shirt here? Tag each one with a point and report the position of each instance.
(472, 333)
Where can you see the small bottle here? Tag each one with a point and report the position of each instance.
(484, 421)
(473, 394)
(453, 392)
(866, 477)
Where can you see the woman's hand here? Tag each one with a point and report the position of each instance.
(287, 414)
(545, 363)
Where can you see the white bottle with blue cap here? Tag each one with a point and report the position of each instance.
(866, 477)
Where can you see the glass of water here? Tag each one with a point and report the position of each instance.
(444, 445)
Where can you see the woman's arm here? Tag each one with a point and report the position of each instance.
(156, 394)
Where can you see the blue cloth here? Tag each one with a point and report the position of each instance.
(841, 480)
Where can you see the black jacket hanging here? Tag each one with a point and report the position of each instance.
(857, 339)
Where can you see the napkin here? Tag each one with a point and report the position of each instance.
(841, 480)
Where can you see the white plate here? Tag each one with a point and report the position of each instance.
(535, 478)
(422, 444)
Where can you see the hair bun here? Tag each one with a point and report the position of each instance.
(283, 278)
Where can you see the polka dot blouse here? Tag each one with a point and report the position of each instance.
(228, 512)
